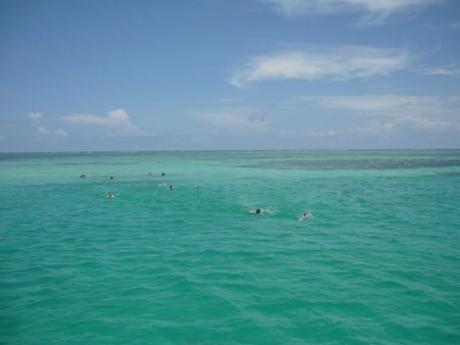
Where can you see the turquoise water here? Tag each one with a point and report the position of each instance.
(378, 264)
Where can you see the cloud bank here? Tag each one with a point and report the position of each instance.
(340, 63)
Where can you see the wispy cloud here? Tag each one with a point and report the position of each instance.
(236, 121)
(35, 123)
(42, 130)
(386, 128)
(61, 132)
(221, 101)
(117, 121)
(442, 71)
(374, 128)
(392, 113)
(390, 105)
(337, 63)
(376, 10)
(34, 117)
(319, 134)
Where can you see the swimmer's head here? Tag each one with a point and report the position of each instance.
(111, 177)
(163, 174)
(258, 210)
(307, 214)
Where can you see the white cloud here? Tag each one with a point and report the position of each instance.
(377, 10)
(337, 63)
(116, 120)
(61, 132)
(237, 121)
(34, 116)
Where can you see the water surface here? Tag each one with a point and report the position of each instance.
(378, 264)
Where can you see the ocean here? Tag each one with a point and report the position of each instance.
(377, 263)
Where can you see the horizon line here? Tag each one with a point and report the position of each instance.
(232, 150)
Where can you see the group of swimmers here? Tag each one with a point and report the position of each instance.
(110, 195)
(256, 211)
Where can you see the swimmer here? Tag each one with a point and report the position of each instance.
(306, 214)
(111, 177)
(171, 187)
(82, 176)
(110, 195)
(163, 174)
(255, 211)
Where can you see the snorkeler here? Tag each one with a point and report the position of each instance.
(255, 210)
(306, 214)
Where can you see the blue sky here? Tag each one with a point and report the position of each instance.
(240, 74)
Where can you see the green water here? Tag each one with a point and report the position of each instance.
(378, 264)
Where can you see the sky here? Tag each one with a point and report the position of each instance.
(220, 74)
